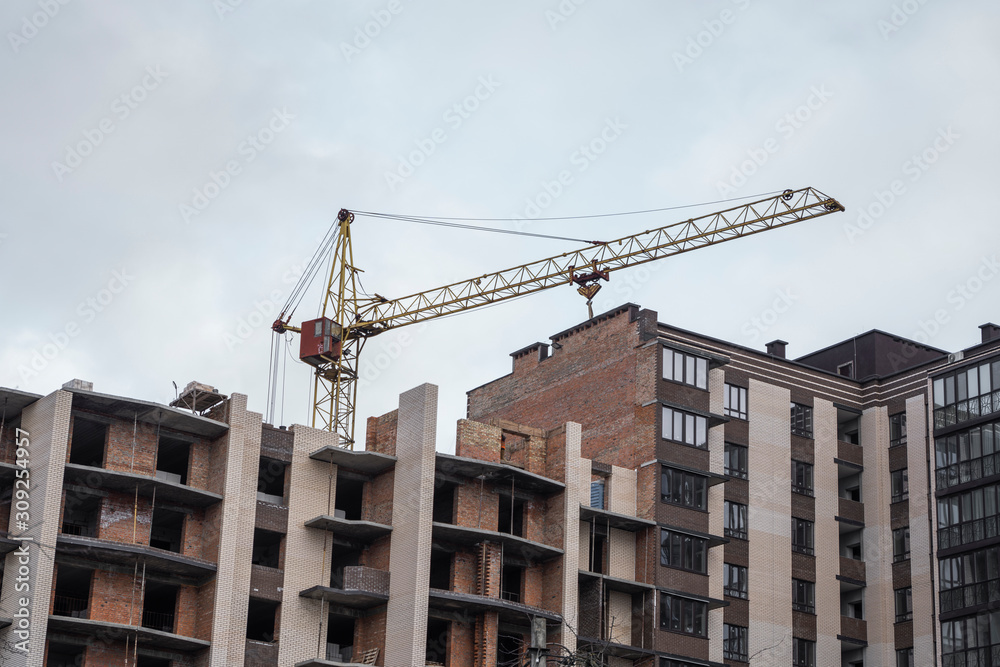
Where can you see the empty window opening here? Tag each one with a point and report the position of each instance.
(509, 650)
(349, 495)
(81, 514)
(159, 604)
(848, 427)
(437, 641)
(87, 446)
(340, 638)
(261, 616)
(64, 655)
(510, 583)
(271, 481)
(441, 571)
(346, 558)
(172, 457)
(511, 516)
(598, 544)
(846, 370)
(444, 503)
(266, 550)
(72, 595)
(167, 531)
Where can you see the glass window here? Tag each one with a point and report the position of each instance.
(734, 582)
(683, 615)
(735, 520)
(967, 394)
(904, 657)
(802, 478)
(900, 485)
(904, 604)
(802, 536)
(736, 461)
(682, 551)
(804, 596)
(682, 488)
(685, 428)
(901, 544)
(897, 429)
(735, 401)
(802, 420)
(734, 642)
(803, 653)
(685, 368)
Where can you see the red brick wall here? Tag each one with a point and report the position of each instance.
(477, 440)
(119, 518)
(472, 512)
(463, 573)
(113, 596)
(381, 433)
(377, 504)
(369, 632)
(118, 452)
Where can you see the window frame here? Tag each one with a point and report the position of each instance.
(734, 642)
(906, 596)
(801, 420)
(904, 657)
(687, 548)
(899, 534)
(698, 368)
(682, 484)
(742, 407)
(741, 588)
(806, 647)
(742, 454)
(897, 429)
(806, 486)
(804, 596)
(809, 529)
(899, 485)
(735, 513)
(667, 607)
(696, 427)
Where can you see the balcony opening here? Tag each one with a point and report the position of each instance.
(266, 550)
(64, 655)
(159, 603)
(511, 516)
(339, 638)
(441, 571)
(444, 502)
(598, 544)
(853, 604)
(509, 650)
(81, 514)
(346, 558)
(261, 617)
(437, 641)
(167, 531)
(271, 481)
(172, 456)
(848, 427)
(350, 493)
(510, 583)
(72, 594)
(87, 445)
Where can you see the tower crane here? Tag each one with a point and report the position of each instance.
(332, 343)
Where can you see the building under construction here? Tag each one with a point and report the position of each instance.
(631, 493)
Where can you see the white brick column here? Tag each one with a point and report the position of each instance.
(876, 494)
(826, 535)
(577, 493)
(921, 542)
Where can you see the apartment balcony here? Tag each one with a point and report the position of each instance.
(147, 412)
(364, 588)
(191, 570)
(261, 653)
(266, 583)
(470, 604)
(349, 530)
(854, 570)
(615, 583)
(517, 547)
(165, 486)
(851, 453)
(613, 519)
(963, 598)
(851, 512)
(612, 649)
(495, 471)
(149, 637)
(854, 630)
(370, 463)
(73, 607)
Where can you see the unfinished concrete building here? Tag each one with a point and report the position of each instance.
(633, 491)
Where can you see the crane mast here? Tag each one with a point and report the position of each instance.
(332, 343)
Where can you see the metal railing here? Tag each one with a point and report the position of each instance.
(65, 605)
(984, 656)
(157, 620)
(968, 532)
(970, 595)
(968, 471)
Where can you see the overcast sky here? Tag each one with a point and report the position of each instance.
(169, 167)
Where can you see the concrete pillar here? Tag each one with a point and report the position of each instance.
(921, 542)
(574, 540)
(826, 536)
(876, 494)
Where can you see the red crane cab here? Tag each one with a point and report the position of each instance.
(320, 341)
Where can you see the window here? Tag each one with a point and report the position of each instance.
(685, 489)
(901, 544)
(968, 456)
(682, 551)
(685, 368)
(735, 401)
(803, 653)
(667, 662)
(900, 485)
(970, 579)
(904, 657)
(683, 615)
(734, 582)
(969, 637)
(904, 604)
(897, 429)
(735, 520)
(802, 478)
(802, 420)
(734, 642)
(685, 427)
(736, 460)
(804, 596)
(802, 536)
(970, 393)
(597, 493)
